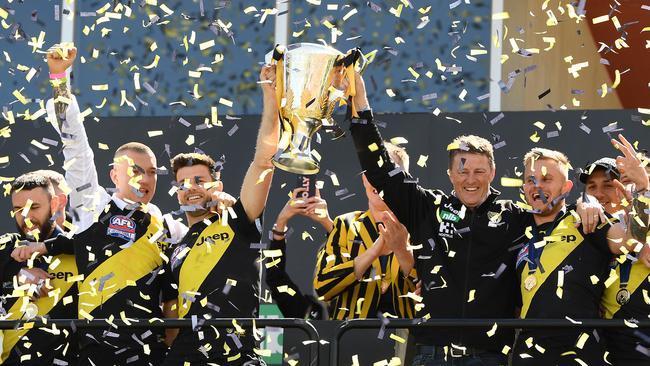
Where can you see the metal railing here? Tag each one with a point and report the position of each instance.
(334, 343)
(474, 323)
(286, 323)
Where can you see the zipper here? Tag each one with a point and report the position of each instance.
(467, 260)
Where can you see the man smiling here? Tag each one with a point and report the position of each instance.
(562, 269)
(464, 241)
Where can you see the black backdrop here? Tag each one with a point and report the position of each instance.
(426, 134)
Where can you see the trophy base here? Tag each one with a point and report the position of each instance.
(296, 165)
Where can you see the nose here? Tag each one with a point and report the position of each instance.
(599, 194)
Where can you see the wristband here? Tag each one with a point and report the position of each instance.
(277, 232)
(60, 75)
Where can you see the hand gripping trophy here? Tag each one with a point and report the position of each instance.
(306, 98)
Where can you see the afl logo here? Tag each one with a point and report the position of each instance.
(121, 227)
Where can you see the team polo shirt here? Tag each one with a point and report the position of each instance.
(120, 257)
(40, 345)
(629, 346)
(214, 273)
(581, 261)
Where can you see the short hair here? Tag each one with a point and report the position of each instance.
(398, 154)
(30, 181)
(471, 144)
(538, 153)
(189, 159)
(136, 147)
(56, 179)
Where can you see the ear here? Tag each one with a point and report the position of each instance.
(63, 200)
(54, 204)
(568, 185)
(493, 173)
(113, 174)
(219, 186)
(448, 173)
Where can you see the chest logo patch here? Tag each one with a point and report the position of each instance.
(121, 227)
(448, 216)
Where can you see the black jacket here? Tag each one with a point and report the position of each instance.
(465, 258)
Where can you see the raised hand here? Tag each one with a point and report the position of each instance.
(630, 164)
(394, 233)
(221, 200)
(267, 81)
(60, 57)
(590, 213)
(317, 210)
(295, 206)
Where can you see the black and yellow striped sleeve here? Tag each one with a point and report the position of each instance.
(334, 266)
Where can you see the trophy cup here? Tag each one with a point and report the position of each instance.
(306, 99)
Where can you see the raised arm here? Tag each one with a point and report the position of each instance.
(257, 182)
(81, 173)
(409, 202)
(634, 233)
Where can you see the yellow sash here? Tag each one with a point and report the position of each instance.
(122, 269)
(638, 273)
(44, 304)
(554, 253)
(200, 261)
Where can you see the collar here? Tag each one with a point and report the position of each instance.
(492, 196)
(369, 216)
(121, 204)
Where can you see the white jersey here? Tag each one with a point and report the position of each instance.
(87, 198)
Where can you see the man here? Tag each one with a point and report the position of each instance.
(39, 293)
(213, 269)
(562, 270)
(61, 190)
(365, 269)
(466, 242)
(624, 297)
(119, 238)
(599, 180)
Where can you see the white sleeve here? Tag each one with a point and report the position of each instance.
(87, 198)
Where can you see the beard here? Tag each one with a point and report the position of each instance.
(45, 229)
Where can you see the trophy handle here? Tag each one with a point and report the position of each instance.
(278, 58)
(353, 61)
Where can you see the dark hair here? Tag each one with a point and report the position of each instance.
(136, 147)
(471, 144)
(57, 179)
(32, 180)
(189, 159)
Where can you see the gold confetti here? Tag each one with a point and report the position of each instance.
(422, 161)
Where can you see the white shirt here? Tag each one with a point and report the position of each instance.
(87, 198)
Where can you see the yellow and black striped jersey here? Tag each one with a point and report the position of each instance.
(335, 280)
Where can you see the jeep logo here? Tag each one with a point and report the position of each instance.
(569, 238)
(61, 275)
(212, 238)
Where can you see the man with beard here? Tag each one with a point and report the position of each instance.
(119, 237)
(563, 271)
(61, 191)
(213, 271)
(467, 241)
(28, 290)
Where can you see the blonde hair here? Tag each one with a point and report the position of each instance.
(539, 153)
